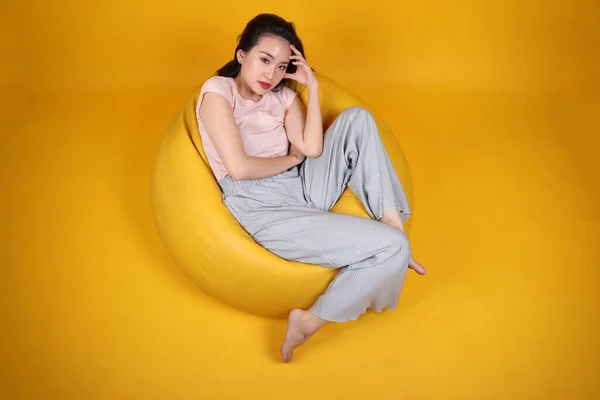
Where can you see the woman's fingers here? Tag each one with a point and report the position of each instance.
(300, 62)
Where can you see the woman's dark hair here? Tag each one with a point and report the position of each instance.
(263, 24)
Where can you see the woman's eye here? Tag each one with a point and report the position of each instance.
(266, 61)
(282, 67)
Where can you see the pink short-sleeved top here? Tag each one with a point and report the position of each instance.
(260, 123)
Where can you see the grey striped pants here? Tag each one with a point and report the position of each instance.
(289, 214)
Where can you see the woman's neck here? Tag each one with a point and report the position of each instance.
(245, 92)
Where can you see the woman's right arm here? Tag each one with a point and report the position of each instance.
(217, 118)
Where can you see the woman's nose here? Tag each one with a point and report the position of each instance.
(270, 73)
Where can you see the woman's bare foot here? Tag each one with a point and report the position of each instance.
(413, 264)
(302, 325)
(393, 218)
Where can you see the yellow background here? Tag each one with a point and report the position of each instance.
(497, 107)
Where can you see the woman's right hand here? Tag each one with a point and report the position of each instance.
(294, 152)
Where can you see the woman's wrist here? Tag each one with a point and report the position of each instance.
(294, 160)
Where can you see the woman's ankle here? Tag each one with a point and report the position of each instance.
(312, 321)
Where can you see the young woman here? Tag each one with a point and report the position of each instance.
(280, 176)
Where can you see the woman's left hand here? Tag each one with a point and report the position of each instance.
(304, 73)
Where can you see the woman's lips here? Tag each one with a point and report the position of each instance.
(264, 85)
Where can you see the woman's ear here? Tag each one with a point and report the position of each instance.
(240, 56)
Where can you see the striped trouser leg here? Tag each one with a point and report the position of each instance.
(372, 258)
(354, 156)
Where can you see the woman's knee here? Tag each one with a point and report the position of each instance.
(401, 247)
(357, 111)
(361, 119)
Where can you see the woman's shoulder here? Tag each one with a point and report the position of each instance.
(286, 95)
(217, 81)
(221, 85)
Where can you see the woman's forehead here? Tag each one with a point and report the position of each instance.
(275, 47)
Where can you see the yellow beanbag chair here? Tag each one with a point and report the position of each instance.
(209, 244)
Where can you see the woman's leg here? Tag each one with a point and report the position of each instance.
(355, 157)
(372, 258)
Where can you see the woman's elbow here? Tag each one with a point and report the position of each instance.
(314, 153)
(237, 175)
(237, 171)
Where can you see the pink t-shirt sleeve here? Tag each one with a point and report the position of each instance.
(216, 84)
(288, 95)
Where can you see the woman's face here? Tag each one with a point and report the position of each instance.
(264, 66)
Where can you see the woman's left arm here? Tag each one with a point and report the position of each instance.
(305, 132)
